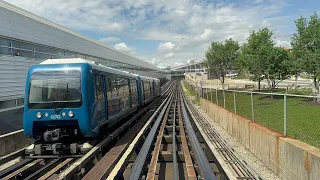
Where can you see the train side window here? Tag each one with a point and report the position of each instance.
(109, 88)
(99, 91)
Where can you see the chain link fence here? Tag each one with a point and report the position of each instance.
(296, 116)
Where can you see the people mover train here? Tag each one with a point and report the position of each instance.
(70, 103)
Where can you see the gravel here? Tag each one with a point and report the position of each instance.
(250, 158)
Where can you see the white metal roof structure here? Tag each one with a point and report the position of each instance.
(24, 25)
(92, 63)
(27, 39)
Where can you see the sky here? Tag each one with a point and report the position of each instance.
(172, 32)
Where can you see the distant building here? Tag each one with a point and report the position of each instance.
(193, 68)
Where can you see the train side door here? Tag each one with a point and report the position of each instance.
(100, 99)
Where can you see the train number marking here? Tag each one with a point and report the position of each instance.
(55, 116)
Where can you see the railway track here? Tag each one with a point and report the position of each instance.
(165, 147)
(18, 166)
(160, 142)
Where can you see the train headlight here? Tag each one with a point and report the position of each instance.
(71, 114)
(63, 114)
(39, 115)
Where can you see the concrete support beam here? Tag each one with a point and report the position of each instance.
(13, 141)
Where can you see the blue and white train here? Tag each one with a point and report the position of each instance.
(69, 102)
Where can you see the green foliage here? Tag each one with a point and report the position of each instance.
(306, 45)
(256, 53)
(262, 59)
(278, 66)
(221, 56)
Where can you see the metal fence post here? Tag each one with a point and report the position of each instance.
(224, 99)
(206, 93)
(211, 94)
(202, 92)
(252, 107)
(217, 96)
(234, 102)
(285, 115)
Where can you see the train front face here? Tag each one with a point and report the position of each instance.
(55, 104)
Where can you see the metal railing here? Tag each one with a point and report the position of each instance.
(296, 116)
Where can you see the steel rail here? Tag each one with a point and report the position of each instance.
(154, 160)
(232, 157)
(187, 157)
(59, 166)
(18, 171)
(103, 168)
(81, 162)
(200, 156)
(14, 167)
(121, 163)
(42, 170)
(138, 164)
(174, 145)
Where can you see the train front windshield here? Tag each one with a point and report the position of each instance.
(55, 89)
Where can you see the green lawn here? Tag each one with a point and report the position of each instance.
(303, 116)
(190, 92)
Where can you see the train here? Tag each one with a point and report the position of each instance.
(71, 103)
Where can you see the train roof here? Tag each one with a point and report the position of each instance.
(93, 64)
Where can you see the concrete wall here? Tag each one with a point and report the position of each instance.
(12, 141)
(286, 157)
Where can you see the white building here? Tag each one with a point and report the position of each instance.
(27, 39)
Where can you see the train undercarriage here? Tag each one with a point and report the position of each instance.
(60, 141)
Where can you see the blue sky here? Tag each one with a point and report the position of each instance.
(167, 32)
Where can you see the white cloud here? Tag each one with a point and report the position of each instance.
(169, 55)
(186, 27)
(258, 1)
(110, 39)
(285, 44)
(123, 47)
(206, 36)
(167, 49)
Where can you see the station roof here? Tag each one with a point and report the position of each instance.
(61, 37)
(183, 66)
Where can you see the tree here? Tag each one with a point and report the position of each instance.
(220, 58)
(278, 67)
(296, 66)
(256, 52)
(306, 46)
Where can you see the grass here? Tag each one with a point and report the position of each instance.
(191, 93)
(302, 113)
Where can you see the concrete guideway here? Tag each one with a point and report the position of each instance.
(63, 167)
(162, 141)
